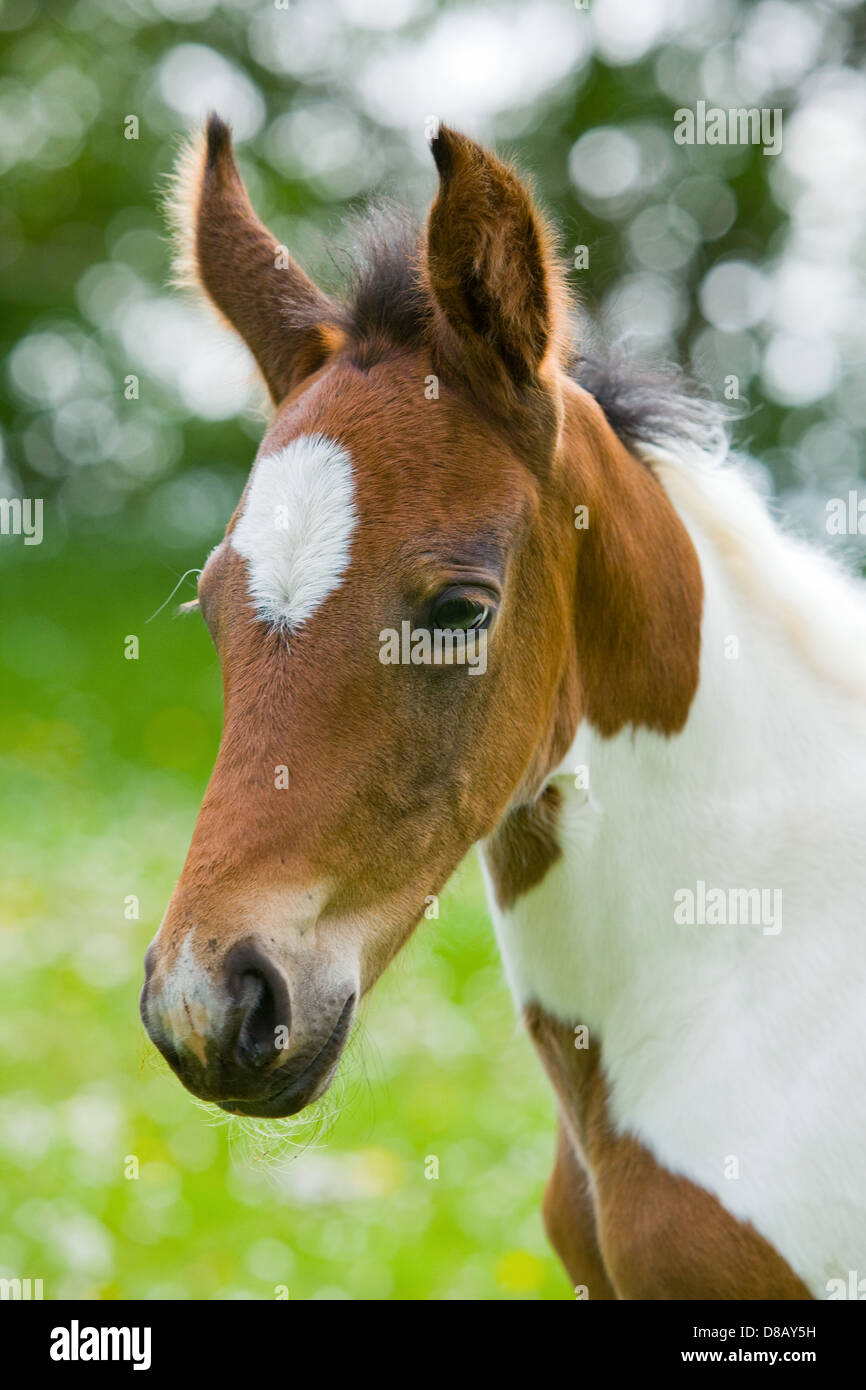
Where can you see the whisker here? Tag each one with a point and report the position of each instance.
(172, 594)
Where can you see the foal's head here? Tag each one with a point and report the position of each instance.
(418, 476)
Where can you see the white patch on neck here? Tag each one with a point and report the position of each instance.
(723, 1042)
(296, 527)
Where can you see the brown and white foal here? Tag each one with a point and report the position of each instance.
(659, 755)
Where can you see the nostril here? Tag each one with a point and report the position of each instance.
(261, 1015)
(258, 1033)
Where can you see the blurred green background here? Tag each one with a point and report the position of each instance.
(722, 258)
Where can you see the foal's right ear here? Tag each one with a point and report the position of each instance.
(287, 323)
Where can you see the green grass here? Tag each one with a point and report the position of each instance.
(104, 762)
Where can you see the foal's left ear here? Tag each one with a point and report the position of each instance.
(491, 266)
(285, 320)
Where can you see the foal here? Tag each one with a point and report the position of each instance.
(662, 757)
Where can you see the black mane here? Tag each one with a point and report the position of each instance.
(384, 304)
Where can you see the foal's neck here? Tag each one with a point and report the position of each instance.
(745, 789)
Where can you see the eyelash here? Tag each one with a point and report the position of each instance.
(481, 602)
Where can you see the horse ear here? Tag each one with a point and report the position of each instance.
(491, 266)
(223, 249)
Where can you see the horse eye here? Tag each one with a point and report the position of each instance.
(460, 614)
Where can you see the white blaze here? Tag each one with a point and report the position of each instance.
(296, 527)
